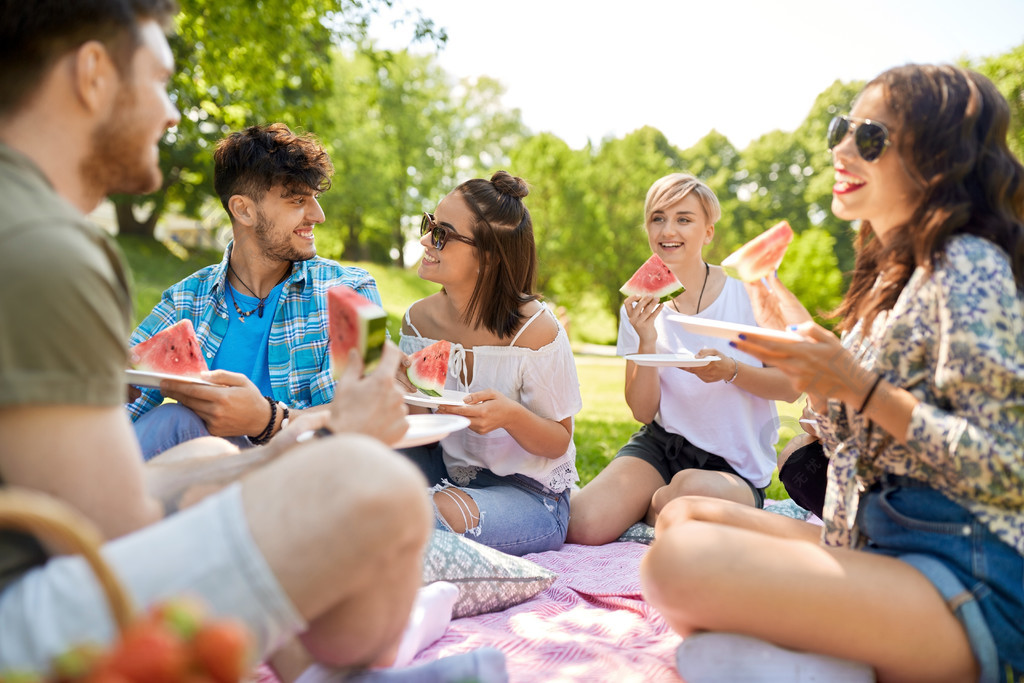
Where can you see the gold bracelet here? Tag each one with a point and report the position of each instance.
(735, 374)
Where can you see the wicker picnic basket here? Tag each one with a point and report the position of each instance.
(63, 530)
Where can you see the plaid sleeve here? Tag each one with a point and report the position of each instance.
(160, 318)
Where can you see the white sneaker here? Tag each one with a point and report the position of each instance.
(729, 657)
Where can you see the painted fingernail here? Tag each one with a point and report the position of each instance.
(732, 344)
(743, 337)
(791, 328)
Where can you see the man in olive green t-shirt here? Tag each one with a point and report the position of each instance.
(83, 106)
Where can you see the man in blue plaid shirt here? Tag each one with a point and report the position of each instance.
(261, 313)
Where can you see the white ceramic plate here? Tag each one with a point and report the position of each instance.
(448, 397)
(141, 378)
(670, 360)
(424, 429)
(732, 331)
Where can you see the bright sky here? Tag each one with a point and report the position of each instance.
(591, 69)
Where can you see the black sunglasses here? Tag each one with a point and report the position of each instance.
(440, 234)
(870, 137)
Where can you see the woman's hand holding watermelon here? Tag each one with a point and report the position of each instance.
(774, 305)
(642, 311)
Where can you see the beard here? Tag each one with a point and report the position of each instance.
(121, 158)
(277, 245)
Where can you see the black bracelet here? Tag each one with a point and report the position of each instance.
(268, 431)
(284, 418)
(871, 391)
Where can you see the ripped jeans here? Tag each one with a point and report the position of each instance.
(518, 515)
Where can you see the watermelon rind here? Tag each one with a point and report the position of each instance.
(653, 278)
(428, 368)
(369, 323)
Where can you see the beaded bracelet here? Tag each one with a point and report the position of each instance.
(268, 431)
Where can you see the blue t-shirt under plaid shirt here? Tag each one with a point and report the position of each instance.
(297, 358)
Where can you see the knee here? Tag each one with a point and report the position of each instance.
(585, 526)
(685, 483)
(351, 478)
(681, 562)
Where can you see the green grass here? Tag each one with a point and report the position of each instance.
(604, 424)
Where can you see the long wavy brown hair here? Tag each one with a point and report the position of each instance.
(953, 124)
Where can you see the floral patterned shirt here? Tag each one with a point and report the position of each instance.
(955, 340)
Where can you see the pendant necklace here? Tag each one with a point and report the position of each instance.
(707, 271)
(242, 315)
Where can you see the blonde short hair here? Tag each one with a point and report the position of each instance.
(673, 187)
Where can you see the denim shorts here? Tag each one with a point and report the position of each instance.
(670, 453)
(980, 577)
(518, 515)
(206, 551)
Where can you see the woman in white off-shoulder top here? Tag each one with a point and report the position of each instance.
(505, 480)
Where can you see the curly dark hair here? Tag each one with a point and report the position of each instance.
(34, 35)
(253, 160)
(954, 124)
(503, 233)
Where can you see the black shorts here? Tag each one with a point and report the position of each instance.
(805, 475)
(671, 453)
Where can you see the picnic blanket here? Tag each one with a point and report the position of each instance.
(591, 624)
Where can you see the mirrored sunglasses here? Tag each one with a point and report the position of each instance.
(440, 234)
(870, 137)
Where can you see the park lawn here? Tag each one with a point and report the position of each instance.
(604, 424)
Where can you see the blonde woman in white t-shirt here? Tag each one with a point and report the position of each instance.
(709, 430)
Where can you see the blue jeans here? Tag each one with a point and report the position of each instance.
(980, 577)
(170, 424)
(518, 515)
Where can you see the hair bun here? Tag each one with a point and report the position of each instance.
(506, 183)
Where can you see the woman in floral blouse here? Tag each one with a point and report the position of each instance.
(919, 570)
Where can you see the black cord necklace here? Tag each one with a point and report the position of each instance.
(707, 271)
(242, 315)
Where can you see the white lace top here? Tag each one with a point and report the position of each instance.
(542, 380)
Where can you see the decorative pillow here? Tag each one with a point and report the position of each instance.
(639, 533)
(488, 579)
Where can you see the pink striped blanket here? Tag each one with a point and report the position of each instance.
(591, 624)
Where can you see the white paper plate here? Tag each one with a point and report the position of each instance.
(424, 429)
(670, 360)
(732, 331)
(141, 378)
(448, 397)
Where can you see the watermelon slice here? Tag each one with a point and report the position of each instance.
(760, 256)
(174, 351)
(354, 322)
(429, 367)
(654, 279)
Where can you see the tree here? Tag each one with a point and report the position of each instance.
(554, 173)
(239, 64)
(612, 243)
(1007, 72)
(401, 137)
